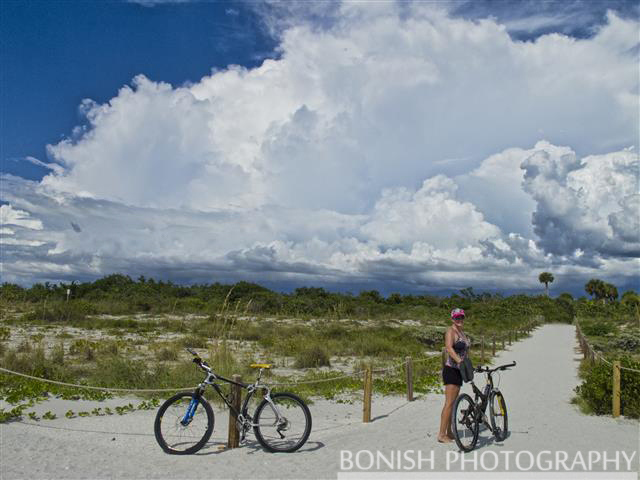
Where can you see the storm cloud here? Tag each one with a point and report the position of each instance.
(397, 145)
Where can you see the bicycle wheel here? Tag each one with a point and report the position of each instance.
(465, 423)
(498, 413)
(179, 433)
(282, 425)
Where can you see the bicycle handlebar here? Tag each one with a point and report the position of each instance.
(490, 370)
(198, 361)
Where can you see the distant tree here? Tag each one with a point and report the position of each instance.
(11, 291)
(610, 292)
(394, 299)
(371, 295)
(566, 297)
(600, 290)
(468, 293)
(595, 288)
(630, 298)
(311, 292)
(546, 278)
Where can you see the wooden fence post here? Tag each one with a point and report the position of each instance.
(516, 334)
(366, 405)
(482, 350)
(409, 365)
(233, 439)
(493, 346)
(510, 334)
(616, 388)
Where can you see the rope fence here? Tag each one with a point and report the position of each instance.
(89, 387)
(365, 374)
(592, 355)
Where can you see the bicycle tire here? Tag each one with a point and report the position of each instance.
(265, 433)
(499, 431)
(174, 421)
(465, 423)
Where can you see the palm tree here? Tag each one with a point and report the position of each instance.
(630, 298)
(591, 287)
(597, 288)
(546, 278)
(610, 292)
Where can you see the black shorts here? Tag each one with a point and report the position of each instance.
(451, 376)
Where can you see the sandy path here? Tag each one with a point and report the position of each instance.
(537, 391)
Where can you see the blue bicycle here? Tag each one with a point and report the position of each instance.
(184, 423)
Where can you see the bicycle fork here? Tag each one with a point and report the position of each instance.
(191, 411)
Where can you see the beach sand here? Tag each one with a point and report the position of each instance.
(537, 392)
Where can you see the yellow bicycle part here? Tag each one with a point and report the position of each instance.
(261, 365)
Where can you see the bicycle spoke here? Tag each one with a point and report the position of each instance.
(465, 423)
(498, 411)
(176, 437)
(284, 424)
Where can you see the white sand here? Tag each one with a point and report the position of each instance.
(537, 392)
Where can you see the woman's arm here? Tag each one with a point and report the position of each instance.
(448, 343)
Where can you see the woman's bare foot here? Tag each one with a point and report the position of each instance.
(450, 435)
(444, 439)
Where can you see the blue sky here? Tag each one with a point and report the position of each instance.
(56, 53)
(406, 146)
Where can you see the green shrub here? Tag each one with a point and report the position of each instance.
(597, 388)
(110, 347)
(5, 333)
(374, 346)
(61, 312)
(628, 342)
(24, 346)
(57, 354)
(314, 356)
(223, 361)
(597, 328)
(167, 354)
(84, 348)
(195, 341)
(431, 338)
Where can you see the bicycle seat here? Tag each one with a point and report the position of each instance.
(261, 365)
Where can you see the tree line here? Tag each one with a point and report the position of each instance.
(120, 294)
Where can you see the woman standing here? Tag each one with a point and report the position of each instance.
(457, 345)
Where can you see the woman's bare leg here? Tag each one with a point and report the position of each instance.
(450, 395)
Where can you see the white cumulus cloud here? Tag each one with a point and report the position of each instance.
(395, 145)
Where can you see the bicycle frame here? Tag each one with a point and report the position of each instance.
(481, 407)
(242, 415)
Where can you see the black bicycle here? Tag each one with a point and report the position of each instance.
(468, 414)
(184, 423)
